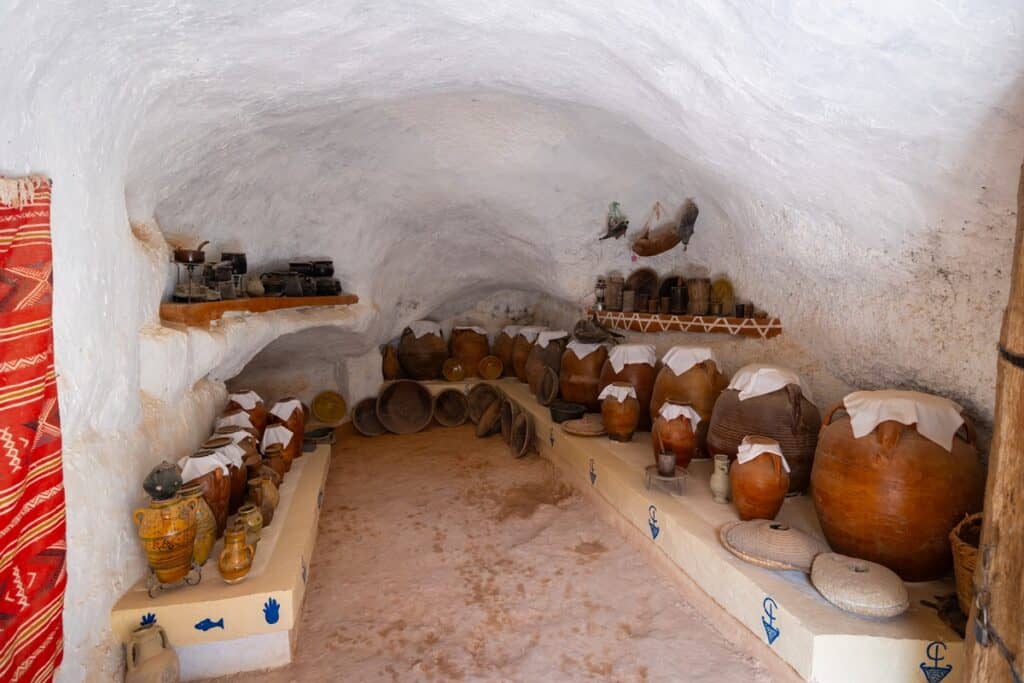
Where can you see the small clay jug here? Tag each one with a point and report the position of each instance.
(263, 494)
(251, 518)
(389, 366)
(676, 435)
(274, 456)
(167, 530)
(759, 486)
(235, 560)
(149, 658)
(620, 417)
(720, 488)
(163, 481)
(206, 525)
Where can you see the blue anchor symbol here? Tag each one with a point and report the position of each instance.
(935, 652)
(593, 473)
(768, 620)
(652, 521)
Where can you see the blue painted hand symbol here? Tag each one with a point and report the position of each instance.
(271, 611)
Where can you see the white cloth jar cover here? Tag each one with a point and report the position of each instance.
(681, 358)
(232, 453)
(550, 335)
(284, 409)
(620, 394)
(511, 331)
(937, 418)
(626, 354)
(246, 399)
(240, 419)
(423, 327)
(671, 411)
(475, 328)
(276, 434)
(758, 379)
(193, 468)
(530, 333)
(237, 436)
(753, 446)
(582, 350)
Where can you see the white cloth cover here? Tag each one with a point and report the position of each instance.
(682, 358)
(193, 468)
(626, 354)
(246, 399)
(237, 436)
(232, 452)
(753, 446)
(758, 379)
(240, 419)
(475, 328)
(620, 394)
(284, 409)
(937, 418)
(422, 327)
(530, 333)
(511, 330)
(550, 335)
(671, 411)
(276, 434)
(582, 350)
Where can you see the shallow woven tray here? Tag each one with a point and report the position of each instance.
(590, 424)
(858, 586)
(782, 547)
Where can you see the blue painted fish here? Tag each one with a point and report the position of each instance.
(207, 624)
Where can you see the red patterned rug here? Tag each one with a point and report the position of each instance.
(32, 547)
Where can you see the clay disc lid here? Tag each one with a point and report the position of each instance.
(771, 544)
(859, 586)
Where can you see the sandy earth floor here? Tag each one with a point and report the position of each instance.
(442, 558)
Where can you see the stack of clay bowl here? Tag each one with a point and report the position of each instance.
(546, 353)
(422, 350)
(633, 364)
(521, 347)
(469, 345)
(770, 401)
(502, 348)
(690, 375)
(893, 476)
(579, 378)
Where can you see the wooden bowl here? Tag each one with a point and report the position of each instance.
(480, 398)
(329, 407)
(451, 408)
(453, 370)
(490, 367)
(405, 406)
(364, 418)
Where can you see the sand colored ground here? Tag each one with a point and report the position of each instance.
(442, 558)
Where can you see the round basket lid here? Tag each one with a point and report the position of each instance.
(771, 544)
(547, 387)
(329, 407)
(858, 586)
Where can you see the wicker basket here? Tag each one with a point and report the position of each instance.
(964, 539)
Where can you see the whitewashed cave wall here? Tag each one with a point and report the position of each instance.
(855, 170)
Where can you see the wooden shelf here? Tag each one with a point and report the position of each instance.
(758, 328)
(203, 312)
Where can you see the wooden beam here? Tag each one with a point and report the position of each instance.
(1003, 529)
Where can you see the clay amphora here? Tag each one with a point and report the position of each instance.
(783, 415)
(720, 487)
(257, 414)
(641, 376)
(549, 356)
(235, 560)
(263, 494)
(206, 525)
(422, 357)
(389, 366)
(167, 529)
(620, 417)
(216, 488)
(469, 347)
(579, 379)
(700, 386)
(893, 496)
(251, 518)
(521, 347)
(674, 435)
(503, 349)
(759, 486)
(149, 658)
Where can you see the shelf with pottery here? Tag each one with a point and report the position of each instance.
(819, 641)
(758, 328)
(203, 312)
(217, 628)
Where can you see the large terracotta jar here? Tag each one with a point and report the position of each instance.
(290, 442)
(674, 430)
(469, 346)
(521, 347)
(289, 412)
(633, 364)
(502, 348)
(546, 353)
(167, 530)
(620, 411)
(249, 401)
(233, 432)
(206, 525)
(690, 375)
(579, 379)
(893, 496)
(759, 484)
(149, 658)
(784, 415)
(237, 472)
(214, 483)
(423, 352)
(273, 460)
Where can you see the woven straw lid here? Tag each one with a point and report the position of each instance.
(771, 544)
(859, 586)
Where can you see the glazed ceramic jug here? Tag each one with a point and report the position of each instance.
(252, 519)
(150, 658)
(720, 488)
(235, 560)
(206, 524)
(167, 529)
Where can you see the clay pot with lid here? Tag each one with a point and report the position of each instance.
(502, 348)
(237, 475)
(676, 435)
(257, 414)
(783, 415)
(541, 357)
(759, 486)
(579, 379)
(893, 496)
(620, 418)
(216, 488)
(422, 357)
(167, 530)
(521, 347)
(700, 386)
(469, 347)
(641, 377)
(238, 411)
(229, 430)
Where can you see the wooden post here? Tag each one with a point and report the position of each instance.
(1003, 528)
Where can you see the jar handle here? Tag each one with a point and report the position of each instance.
(777, 464)
(970, 432)
(888, 434)
(796, 409)
(130, 656)
(163, 637)
(138, 516)
(831, 413)
(251, 552)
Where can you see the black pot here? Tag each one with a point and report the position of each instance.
(301, 267)
(327, 286)
(293, 284)
(238, 262)
(323, 268)
(563, 410)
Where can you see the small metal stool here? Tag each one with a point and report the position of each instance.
(675, 481)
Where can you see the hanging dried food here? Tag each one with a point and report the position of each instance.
(659, 236)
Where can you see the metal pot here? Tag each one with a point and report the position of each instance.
(237, 259)
(324, 268)
(191, 255)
